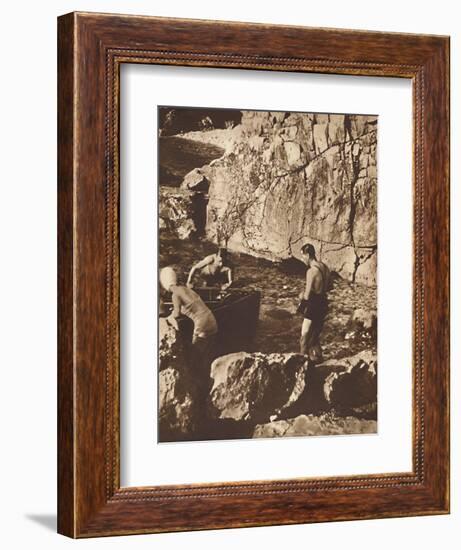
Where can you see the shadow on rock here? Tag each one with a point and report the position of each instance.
(212, 430)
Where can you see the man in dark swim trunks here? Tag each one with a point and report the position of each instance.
(314, 304)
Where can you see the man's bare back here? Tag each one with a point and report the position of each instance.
(317, 277)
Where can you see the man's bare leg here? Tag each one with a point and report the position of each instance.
(316, 349)
(309, 342)
(305, 338)
(315, 353)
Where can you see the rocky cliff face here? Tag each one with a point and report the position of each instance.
(292, 178)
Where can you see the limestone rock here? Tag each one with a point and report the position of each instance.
(366, 319)
(341, 259)
(182, 212)
(306, 425)
(290, 132)
(172, 349)
(367, 269)
(293, 151)
(320, 137)
(292, 178)
(254, 386)
(356, 385)
(177, 414)
(177, 212)
(195, 181)
(336, 129)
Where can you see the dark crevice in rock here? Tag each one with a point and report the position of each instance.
(360, 260)
(356, 266)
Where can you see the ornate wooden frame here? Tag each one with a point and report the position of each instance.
(91, 48)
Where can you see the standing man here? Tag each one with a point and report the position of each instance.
(314, 304)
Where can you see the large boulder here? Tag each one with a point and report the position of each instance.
(172, 348)
(254, 386)
(355, 385)
(259, 388)
(304, 425)
(195, 180)
(347, 385)
(177, 412)
(177, 391)
(365, 319)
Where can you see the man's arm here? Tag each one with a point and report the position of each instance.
(176, 305)
(328, 283)
(199, 265)
(172, 318)
(228, 271)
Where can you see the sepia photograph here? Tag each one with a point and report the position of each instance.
(267, 256)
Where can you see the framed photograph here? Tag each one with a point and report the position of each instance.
(267, 242)
(252, 218)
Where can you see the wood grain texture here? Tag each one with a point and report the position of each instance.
(91, 49)
(66, 471)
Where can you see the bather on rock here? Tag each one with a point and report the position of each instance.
(187, 302)
(314, 304)
(214, 271)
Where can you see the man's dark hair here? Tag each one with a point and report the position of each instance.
(308, 249)
(223, 253)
